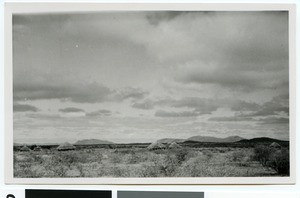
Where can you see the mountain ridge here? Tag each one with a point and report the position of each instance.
(214, 139)
(208, 139)
(262, 139)
(170, 140)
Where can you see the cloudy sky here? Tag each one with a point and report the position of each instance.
(142, 76)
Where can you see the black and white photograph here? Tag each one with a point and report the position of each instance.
(151, 94)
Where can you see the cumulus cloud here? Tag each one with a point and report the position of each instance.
(274, 120)
(99, 113)
(200, 105)
(147, 104)
(240, 105)
(207, 105)
(71, 110)
(89, 93)
(216, 64)
(230, 119)
(24, 108)
(269, 110)
(79, 93)
(232, 78)
(266, 113)
(279, 104)
(44, 116)
(166, 114)
(238, 51)
(245, 51)
(128, 92)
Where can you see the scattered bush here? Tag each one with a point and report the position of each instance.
(137, 162)
(277, 159)
(115, 158)
(241, 157)
(262, 154)
(280, 162)
(70, 157)
(208, 154)
(181, 155)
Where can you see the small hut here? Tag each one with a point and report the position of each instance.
(156, 146)
(37, 148)
(275, 145)
(174, 145)
(66, 147)
(25, 148)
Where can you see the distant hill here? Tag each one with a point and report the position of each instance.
(170, 140)
(214, 139)
(92, 141)
(262, 139)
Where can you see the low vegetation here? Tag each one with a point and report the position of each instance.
(141, 162)
(277, 159)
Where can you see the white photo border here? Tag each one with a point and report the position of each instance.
(22, 8)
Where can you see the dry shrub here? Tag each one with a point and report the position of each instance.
(133, 162)
(163, 165)
(115, 158)
(277, 159)
(150, 171)
(181, 155)
(131, 159)
(70, 157)
(241, 157)
(280, 161)
(194, 167)
(207, 153)
(262, 154)
(37, 158)
(171, 162)
(124, 151)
